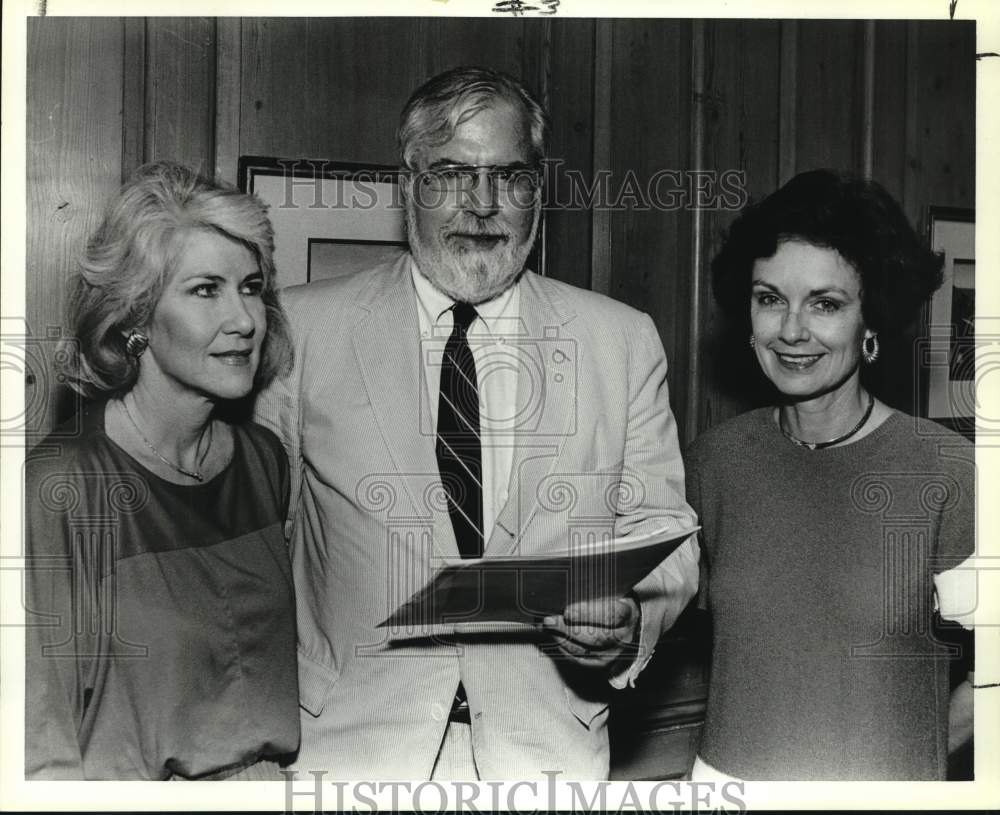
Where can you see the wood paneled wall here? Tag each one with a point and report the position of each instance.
(74, 162)
(627, 97)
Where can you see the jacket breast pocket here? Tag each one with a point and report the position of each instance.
(315, 683)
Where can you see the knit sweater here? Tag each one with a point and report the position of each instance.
(819, 584)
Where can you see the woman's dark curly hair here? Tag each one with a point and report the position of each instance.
(852, 215)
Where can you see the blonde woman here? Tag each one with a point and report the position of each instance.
(161, 637)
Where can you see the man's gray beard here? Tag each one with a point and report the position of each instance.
(469, 277)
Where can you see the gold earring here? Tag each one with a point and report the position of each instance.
(136, 343)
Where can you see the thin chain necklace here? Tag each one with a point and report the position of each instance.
(195, 474)
(819, 445)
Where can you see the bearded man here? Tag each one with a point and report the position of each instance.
(454, 404)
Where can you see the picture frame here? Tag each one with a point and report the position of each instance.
(330, 218)
(949, 361)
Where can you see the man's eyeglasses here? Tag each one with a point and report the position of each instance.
(520, 179)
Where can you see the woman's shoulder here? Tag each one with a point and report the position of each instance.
(263, 462)
(932, 432)
(258, 435)
(263, 442)
(75, 469)
(925, 445)
(925, 437)
(70, 446)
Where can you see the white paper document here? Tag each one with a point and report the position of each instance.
(521, 590)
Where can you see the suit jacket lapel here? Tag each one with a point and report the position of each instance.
(386, 342)
(539, 442)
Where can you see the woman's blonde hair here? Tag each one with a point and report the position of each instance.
(126, 264)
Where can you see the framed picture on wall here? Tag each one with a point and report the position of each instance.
(330, 218)
(950, 362)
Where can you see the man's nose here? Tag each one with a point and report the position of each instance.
(481, 198)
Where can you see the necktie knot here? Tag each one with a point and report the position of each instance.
(464, 315)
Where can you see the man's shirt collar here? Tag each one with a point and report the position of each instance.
(497, 317)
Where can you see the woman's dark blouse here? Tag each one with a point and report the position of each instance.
(161, 623)
(820, 567)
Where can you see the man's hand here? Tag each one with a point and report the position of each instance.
(596, 633)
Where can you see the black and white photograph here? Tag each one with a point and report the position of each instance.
(499, 405)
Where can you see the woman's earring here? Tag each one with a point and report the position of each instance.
(870, 352)
(753, 341)
(136, 343)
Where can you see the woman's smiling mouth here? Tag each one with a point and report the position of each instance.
(797, 362)
(239, 358)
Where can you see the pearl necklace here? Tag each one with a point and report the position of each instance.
(819, 445)
(195, 474)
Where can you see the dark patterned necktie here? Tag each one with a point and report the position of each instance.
(459, 450)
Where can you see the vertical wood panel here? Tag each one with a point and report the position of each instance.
(744, 108)
(889, 109)
(228, 61)
(511, 45)
(698, 222)
(650, 246)
(911, 166)
(74, 154)
(600, 255)
(868, 100)
(945, 75)
(180, 91)
(572, 73)
(133, 96)
(788, 91)
(828, 100)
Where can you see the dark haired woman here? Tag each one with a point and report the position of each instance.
(831, 523)
(161, 622)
